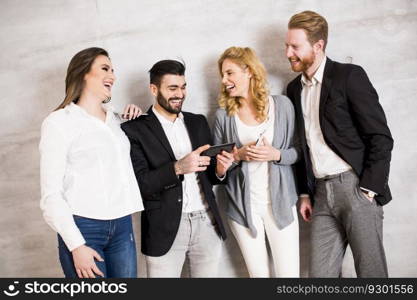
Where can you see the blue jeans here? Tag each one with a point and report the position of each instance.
(112, 239)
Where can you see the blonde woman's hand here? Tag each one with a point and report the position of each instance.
(84, 262)
(243, 152)
(264, 152)
(131, 111)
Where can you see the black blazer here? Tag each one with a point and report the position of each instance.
(353, 125)
(153, 162)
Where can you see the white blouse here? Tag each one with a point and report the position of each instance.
(258, 171)
(85, 170)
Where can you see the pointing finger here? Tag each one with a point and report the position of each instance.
(201, 149)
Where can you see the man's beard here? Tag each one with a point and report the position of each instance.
(164, 102)
(303, 63)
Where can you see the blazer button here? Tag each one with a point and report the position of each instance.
(179, 199)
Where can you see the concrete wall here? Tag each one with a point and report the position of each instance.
(38, 38)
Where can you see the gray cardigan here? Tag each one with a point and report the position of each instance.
(281, 177)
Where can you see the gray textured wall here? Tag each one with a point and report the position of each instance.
(38, 38)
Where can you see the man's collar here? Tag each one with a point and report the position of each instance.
(318, 76)
(163, 120)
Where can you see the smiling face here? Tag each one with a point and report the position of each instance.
(170, 94)
(100, 79)
(236, 79)
(300, 53)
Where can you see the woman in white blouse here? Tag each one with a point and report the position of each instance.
(260, 187)
(88, 188)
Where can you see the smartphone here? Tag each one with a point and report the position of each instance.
(259, 141)
(217, 149)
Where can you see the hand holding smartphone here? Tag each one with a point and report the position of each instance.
(216, 149)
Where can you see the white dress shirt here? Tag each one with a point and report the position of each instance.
(324, 161)
(85, 170)
(179, 140)
(258, 170)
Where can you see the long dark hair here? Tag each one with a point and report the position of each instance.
(79, 65)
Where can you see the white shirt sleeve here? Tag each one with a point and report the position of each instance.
(57, 213)
(221, 178)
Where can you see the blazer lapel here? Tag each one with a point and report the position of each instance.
(192, 131)
(325, 89)
(299, 112)
(155, 126)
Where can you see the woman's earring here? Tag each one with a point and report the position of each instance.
(107, 100)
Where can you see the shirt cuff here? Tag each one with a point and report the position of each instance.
(73, 242)
(221, 178)
(367, 190)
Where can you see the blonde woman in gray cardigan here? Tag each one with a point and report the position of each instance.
(260, 186)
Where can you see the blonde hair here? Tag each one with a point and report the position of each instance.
(313, 24)
(246, 58)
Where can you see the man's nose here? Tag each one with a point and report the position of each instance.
(179, 94)
(289, 52)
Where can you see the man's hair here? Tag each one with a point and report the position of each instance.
(313, 24)
(164, 67)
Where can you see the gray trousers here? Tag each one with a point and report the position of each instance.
(342, 215)
(196, 239)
